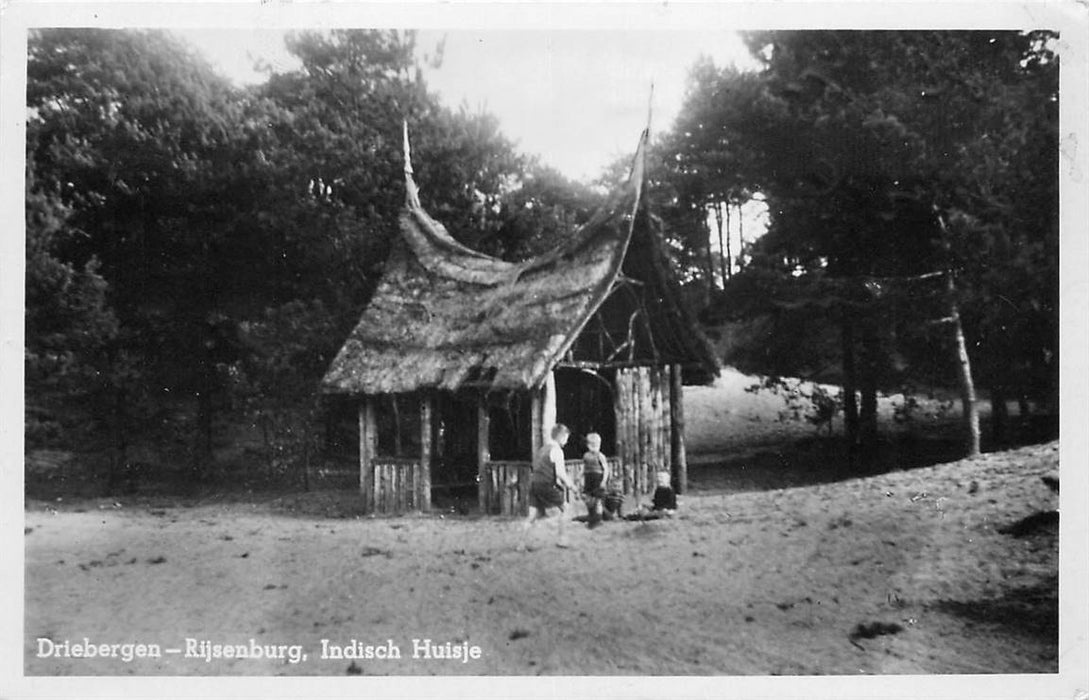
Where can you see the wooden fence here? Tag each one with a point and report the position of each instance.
(398, 486)
(505, 485)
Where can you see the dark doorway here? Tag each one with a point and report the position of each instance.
(398, 425)
(584, 403)
(454, 452)
(510, 426)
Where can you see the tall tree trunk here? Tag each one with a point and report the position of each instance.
(265, 421)
(202, 452)
(308, 430)
(1024, 408)
(1000, 415)
(867, 419)
(202, 439)
(721, 249)
(740, 237)
(964, 366)
(850, 395)
(729, 249)
(120, 455)
(709, 266)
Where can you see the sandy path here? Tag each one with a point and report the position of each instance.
(750, 583)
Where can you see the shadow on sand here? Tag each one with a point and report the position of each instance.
(820, 460)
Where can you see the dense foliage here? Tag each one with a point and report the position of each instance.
(198, 251)
(887, 158)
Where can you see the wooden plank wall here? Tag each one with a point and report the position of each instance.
(368, 437)
(678, 452)
(483, 450)
(394, 484)
(506, 487)
(427, 431)
(400, 486)
(626, 419)
(643, 407)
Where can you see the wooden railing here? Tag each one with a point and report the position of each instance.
(504, 487)
(398, 486)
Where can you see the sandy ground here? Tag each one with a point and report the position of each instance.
(905, 572)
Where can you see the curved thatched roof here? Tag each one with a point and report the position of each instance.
(445, 316)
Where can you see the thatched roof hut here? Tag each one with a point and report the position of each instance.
(447, 320)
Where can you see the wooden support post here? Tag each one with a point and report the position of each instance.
(548, 407)
(483, 449)
(631, 417)
(625, 419)
(398, 438)
(378, 489)
(676, 427)
(659, 446)
(426, 432)
(653, 455)
(536, 417)
(368, 431)
(543, 413)
(645, 455)
(665, 389)
(618, 428)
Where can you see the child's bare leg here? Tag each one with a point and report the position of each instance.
(561, 539)
(593, 508)
(526, 525)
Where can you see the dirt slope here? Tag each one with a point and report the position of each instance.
(906, 572)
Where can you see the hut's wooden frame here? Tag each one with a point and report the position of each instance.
(448, 319)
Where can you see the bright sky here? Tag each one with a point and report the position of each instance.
(577, 98)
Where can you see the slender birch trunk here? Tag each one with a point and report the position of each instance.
(729, 246)
(964, 366)
(740, 237)
(850, 387)
(721, 249)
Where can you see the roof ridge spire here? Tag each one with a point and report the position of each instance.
(638, 161)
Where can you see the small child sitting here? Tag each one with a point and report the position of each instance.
(614, 504)
(665, 498)
(664, 501)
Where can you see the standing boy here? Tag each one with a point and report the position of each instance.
(549, 484)
(595, 475)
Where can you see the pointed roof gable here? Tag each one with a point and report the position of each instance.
(445, 316)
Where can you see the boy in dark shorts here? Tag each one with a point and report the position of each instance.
(548, 485)
(595, 474)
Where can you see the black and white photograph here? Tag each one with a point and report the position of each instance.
(706, 350)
